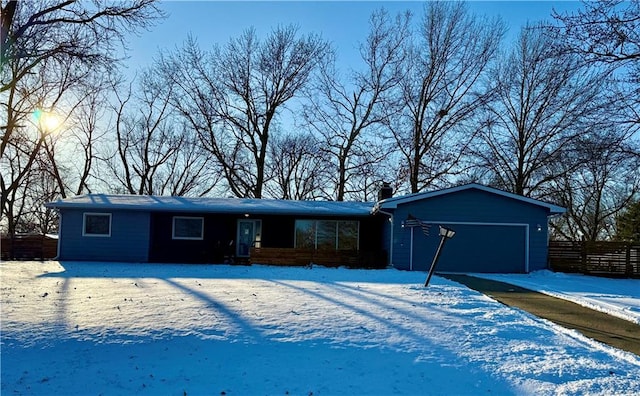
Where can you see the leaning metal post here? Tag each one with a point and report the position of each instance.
(444, 235)
(435, 260)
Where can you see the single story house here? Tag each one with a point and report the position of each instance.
(496, 231)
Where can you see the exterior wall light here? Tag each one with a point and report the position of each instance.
(446, 232)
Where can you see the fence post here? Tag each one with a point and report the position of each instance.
(628, 265)
(12, 246)
(583, 256)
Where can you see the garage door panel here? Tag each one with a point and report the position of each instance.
(474, 248)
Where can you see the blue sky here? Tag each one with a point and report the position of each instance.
(344, 23)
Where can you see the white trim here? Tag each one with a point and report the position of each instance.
(173, 228)
(472, 223)
(84, 224)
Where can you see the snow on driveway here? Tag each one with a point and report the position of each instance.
(112, 328)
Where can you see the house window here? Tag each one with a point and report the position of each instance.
(96, 224)
(327, 234)
(305, 234)
(348, 235)
(188, 227)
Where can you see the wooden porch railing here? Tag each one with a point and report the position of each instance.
(329, 258)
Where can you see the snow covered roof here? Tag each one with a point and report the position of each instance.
(213, 205)
(392, 203)
(267, 206)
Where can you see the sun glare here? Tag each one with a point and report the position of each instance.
(47, 121)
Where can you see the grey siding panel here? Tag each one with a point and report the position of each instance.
(129, 240)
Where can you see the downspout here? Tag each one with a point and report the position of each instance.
(378, 210)
(59, 235)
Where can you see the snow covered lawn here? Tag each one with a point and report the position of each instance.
(112, 329)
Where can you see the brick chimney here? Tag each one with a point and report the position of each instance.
(386, 191)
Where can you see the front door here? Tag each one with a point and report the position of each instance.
(249, 235)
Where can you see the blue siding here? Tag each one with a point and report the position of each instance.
(129, 240)
(475, 248)
(386, 237)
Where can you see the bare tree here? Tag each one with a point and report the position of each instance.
(602, 31)
(31, 130)
(595, 193)
(15, 199)
(47, 50)
(544, 104)
(296, 167)
(83, 35)
(442, 91)
(54, 154)
(606, 33)
(78, 132)
(155, 153)
(232, 95)
(41, 187)
(351, 116)
(88, 32)
(91, 124)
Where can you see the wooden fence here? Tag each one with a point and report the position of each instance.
(28, 247)
(619, 259)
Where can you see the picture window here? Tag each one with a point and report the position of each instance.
(327, 234)
(96, 224)
(188, 228)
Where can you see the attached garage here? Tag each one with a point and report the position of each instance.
(496, 231)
